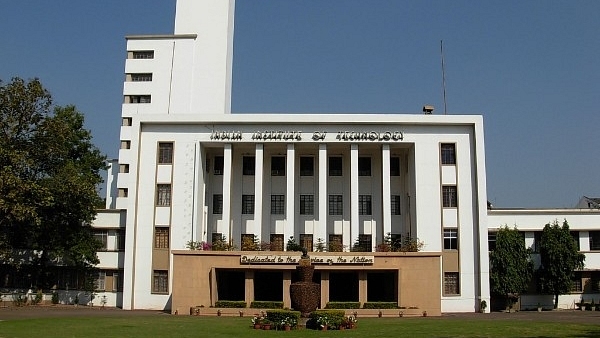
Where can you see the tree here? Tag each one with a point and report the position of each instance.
(559, 258)
(49, 172)
(511, 267)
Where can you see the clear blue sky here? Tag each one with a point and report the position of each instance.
(532, 68)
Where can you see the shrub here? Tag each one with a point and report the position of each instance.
(343, 305)
(39, 296)
(54, 297)
(333, 318)
(292, 245)
(258, 304)
(230, 303)
(282, 317)
(380, 305)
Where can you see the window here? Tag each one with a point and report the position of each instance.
(450, 239)
(102, 237)
(575, 235)
(394, 166)
(161, 238)
(336, 205)
(594, 240)
(364, 205)
(217, 208)
(125, 144)
(335, 243)
(117, 281)
(364, 166)
(219, 163)
(307, 204)
(491, 241)
(277, 166)
(141, 77)
(576, 285)
(163, 195)
(277, 204)
(138, 99)
(101, 281)
(537, 241)
(596, 281)
(307, 166)
(123, 168)
(335, 166)
(216, 237)
(126, 121)
(120, 240)
(396, 205)
(142, 54)
(165, 152)
(449, 196)
(365, 243)
(161, 281)
(306, 241)
(122, 192)
(448, 153)
(451, 283)
(247, 204)
(248, 165)
(276, 242)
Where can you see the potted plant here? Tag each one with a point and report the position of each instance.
(257, 321)
(266, 324)
(351, 321)
(323, 323)
(482, 306)
(287, 323)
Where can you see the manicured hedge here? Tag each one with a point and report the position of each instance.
(230, 303)
(335, 318)
(343, 305)
(259, 304)
(380, 305)
(278, 316)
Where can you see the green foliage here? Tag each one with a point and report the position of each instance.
(250, 244)
(54, 297)
(292, 245)
(406, 244)
(333, 318)
(39, 296)
(230, 303)
(223, 245)
(511, 267)
(559, 258)
(49, 172)
(283, 317)
(260, 304)
(320, 245)
(380, 305)
(343, 305)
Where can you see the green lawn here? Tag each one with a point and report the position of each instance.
(185, 326)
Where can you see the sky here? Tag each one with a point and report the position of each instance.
(531, 68)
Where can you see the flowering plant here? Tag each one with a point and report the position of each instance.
(257, 319)
(323, 321)
(288, 321)
(351, 319)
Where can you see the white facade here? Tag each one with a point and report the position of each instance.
(177, 96)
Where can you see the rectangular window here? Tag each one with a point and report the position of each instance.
(248, 165)
(138, 99)
(165, 152)
(125, 144)
(126, 121)
(276, 242)
(102, 237)
(596, 281)
(451, 284)
(219, 163)
(247, 204)
(364, 166)
(307, 166)
(163, 195)
(122, 192)
(120, 240)
(160, 281)
(117, 281)
(448, 153)
(307, 204)
(336, 205)
(161, 238)
(491, 241)
(101, 281)
(537, 241)
(141, 77)
(216, 237)
(335, 166)
(575, 235)
(306, 241)
(594, 240)
(576, 285)
(365, 243)
(277, 204)
(123, 168)
(449, 196)
(364, 205)
(335, 243)
(394, 166)
(142, 54)
(396, 205)
(450, 239)
(217, 204)
(278, 166)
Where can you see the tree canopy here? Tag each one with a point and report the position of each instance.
(49, 172)
(560, 257)
(511, 268)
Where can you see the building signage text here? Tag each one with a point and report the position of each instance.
(294, 259)
(290, 135)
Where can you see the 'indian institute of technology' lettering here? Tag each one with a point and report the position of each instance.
(369, 136)
(277, 135)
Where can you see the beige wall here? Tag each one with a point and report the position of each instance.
(194, 282)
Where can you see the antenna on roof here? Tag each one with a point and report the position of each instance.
(443, 74)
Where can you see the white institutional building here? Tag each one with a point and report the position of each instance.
(189, 170)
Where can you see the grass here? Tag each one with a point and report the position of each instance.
(185, 326)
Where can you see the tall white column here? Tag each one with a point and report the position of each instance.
(227, 160)
(258, 190)
(290, 175)
(322, 196)
(354, 221)
(386, 191)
